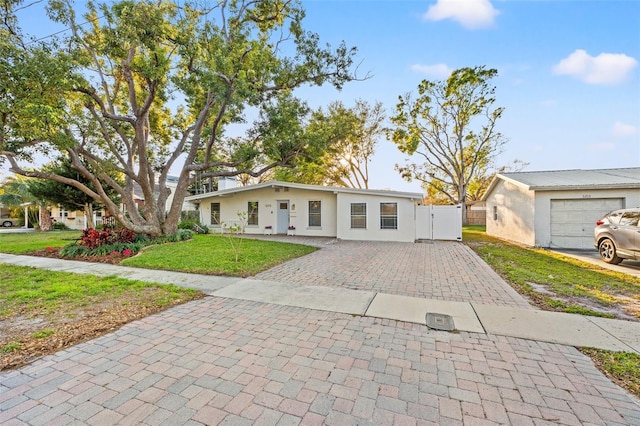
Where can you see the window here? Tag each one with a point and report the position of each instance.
(215, 214)
(615, 217)
(315, 215)
(252, 213)
(358, 215)
(495, 212)
(630, 218)
(388, 215)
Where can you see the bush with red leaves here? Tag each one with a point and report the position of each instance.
(92, 238)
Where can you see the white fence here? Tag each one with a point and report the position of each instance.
(439, 223)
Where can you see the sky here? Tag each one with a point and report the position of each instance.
(568, 71)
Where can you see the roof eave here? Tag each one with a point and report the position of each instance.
(279, 184)
(584, 187)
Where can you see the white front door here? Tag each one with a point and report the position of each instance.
(283, 217)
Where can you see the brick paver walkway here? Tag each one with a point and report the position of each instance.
(438, 270)
(230, 362)
(233, 362)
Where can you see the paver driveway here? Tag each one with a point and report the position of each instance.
(226, 361)
(440, 270)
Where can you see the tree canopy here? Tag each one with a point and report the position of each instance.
(346, 139)
(147, 88)
(451, 129)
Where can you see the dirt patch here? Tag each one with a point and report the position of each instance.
(627, 308)
(23, 339)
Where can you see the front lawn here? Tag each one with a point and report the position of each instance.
(21, 243)
(45, 311)
(556, 282)
(214, 255)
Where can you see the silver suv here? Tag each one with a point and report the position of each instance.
(617, 235)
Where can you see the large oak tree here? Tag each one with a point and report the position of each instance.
(144, 88)
(451, 129)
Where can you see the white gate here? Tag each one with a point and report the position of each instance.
(439, 223)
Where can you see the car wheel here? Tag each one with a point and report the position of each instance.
(7, 224)
(607, 251)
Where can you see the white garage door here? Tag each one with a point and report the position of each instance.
(572, 221)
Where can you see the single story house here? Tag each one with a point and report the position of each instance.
(291, 208)
(557, 209)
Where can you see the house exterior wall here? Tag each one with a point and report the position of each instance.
(72, 219)
(406, 231)
(630, 197)
(515, 209)
(267, 199)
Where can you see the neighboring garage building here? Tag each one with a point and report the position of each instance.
(557, 209)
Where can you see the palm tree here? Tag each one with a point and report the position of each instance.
(14, 193)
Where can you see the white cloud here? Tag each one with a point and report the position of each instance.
(621, 129)
(438, 70)
(601, 146)
(606, 68)
(471, 14)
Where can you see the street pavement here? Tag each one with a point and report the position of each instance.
(319, 341)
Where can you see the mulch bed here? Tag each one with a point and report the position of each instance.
(55, 254)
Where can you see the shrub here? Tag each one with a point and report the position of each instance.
(92, 238)
(107, 242)
(184, 234)
(142, 238)
(181, 235)
(193, 215)
(126, 236)
(193, 225)
(187, 224)
(58, 226)
(74, 250)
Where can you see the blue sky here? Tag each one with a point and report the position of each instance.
(569, 71)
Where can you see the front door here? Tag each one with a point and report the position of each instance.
(283, 217)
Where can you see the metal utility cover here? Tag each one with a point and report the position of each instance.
(440, 322)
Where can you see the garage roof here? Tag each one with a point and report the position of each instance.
(562, 180)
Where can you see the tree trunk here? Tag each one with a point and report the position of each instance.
(46, 222)
(88, 214)
(465, 219)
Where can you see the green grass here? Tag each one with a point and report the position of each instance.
(20, 243)
(31, 292)
(213, 254)
(44, 333)
(622, 367)
(10, 347)
(567, 277)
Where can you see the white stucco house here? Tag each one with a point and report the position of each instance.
(291, 208)
(557, 209)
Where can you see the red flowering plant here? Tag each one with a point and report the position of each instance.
(92, 238)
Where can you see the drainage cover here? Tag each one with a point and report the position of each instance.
(440, 322)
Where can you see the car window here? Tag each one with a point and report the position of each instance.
(630, 218)
(614, 217)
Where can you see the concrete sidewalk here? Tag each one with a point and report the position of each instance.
(531, 324)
